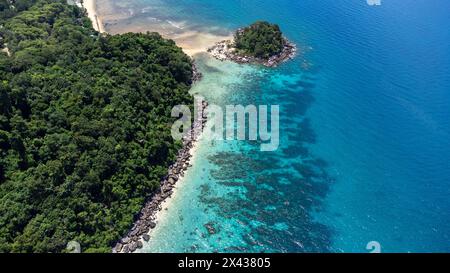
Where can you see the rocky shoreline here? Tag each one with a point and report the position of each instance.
(147, 217)
(225, 50)
(196, 74)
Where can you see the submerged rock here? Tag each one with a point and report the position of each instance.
(210, 227)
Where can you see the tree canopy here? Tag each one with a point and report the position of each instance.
(84, 126)
(260, 39)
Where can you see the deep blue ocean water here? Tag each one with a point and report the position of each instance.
(365, 132)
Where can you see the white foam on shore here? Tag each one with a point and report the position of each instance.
(176, 25)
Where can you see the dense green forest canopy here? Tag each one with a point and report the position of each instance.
(84, 126)
(260, 39)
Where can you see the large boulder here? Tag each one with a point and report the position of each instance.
(119, 247)
(139, 244)
(133, 247)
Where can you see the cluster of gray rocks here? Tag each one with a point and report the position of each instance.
(196, 74)
(146, 220)
(225, 50)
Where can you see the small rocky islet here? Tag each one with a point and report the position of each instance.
(260, 43)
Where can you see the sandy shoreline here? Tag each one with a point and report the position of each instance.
(91, 8)
(118, 20)
(167, 204)
(192, 42)
(157, 202)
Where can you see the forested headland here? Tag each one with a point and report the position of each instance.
(84, 126)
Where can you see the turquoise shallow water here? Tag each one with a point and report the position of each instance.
(365, 132)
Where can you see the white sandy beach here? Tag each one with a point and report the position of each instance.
(91, 8)
(185, 35)
(168, 203)
(192, 42)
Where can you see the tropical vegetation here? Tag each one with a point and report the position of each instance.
(84, 125)
(260, 39)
